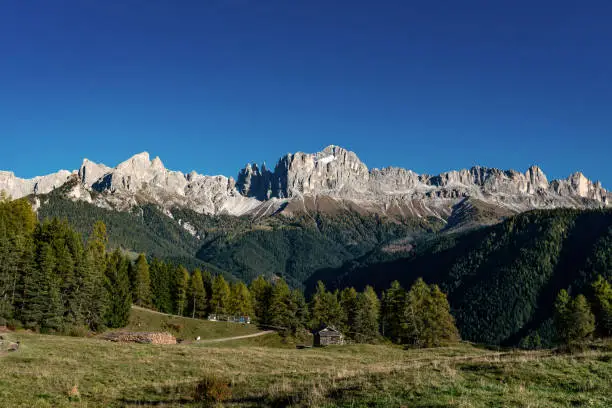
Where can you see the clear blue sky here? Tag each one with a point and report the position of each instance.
(212, 84)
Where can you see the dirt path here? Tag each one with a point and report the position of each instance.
(246, 336)
(160, 313)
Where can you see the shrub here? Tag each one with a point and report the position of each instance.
(175, 328)
(76, 331)
(212, 389)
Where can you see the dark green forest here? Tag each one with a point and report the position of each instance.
(501, 280)
(240, 247)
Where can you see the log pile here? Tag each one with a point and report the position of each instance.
(141, 337)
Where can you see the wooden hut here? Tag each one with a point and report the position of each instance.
(328, 335)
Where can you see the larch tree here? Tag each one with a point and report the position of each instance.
(197, 295)
(348, 303)
(282, 309)
(240, 303)
(220, 297)
(181, 287)
(392, 309)
(602, 291)
(366, 321)
(143, 282)
(261, 293)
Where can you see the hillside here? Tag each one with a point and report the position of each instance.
(46, 368)
(502, 279)
(239, 247)
(186, 328)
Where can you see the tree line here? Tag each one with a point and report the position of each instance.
(52, 280)
(420, 316)
(577, 319)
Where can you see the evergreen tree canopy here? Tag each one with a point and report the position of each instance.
(219, 303)
(197, 295)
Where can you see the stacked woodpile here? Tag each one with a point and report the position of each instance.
(141, 337)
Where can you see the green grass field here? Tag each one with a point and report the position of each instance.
(186, 328)
(46, 368)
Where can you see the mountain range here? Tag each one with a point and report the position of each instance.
(501, 243)
(331, 180)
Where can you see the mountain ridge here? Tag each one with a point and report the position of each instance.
(334, 172)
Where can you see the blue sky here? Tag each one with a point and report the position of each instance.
(212, 84)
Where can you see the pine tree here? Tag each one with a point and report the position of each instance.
(282, 309)
(413, 318)
(118, 287)
(319, 307)
(207, 282)
(426, 319)
(573, 318)
(261, 293)
(582, 319)
(561, 316)
(440, 326)
(240, 303)
(366, 320)
(197, 295)
(35, 289)
(302, 316)
(97, 302)
(393, 308)
(181, 287)
(348, 303)
(161, 286)
(220, 297)
(602, 291)
(143, 282)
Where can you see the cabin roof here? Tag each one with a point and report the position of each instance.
(329, 332)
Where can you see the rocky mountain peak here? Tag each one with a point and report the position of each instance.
(334, 173)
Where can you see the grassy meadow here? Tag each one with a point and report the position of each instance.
(265, 372)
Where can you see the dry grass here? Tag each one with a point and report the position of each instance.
(47, 369)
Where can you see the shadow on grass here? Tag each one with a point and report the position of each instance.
(159, 396)
(145, 403)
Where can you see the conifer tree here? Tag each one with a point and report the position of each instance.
(441, 326)
(582, 319)
(197, 295)
(261, 294)
(302, 316)
(348, 303)
(318, 307)
(573, 318)
(97, 302)
(282, 309)
(35, 289)
(161, 286)
(392, 309)
(366, 319)
(240, 303)
(118, 287)
(220, 296)
(143, 281)
(181, 288)
(602, 291)
(207, 281)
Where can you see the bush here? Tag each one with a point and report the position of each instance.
(175, 328)
(76, 331)
(212, 390)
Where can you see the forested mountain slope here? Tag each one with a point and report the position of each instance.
(241, 247)
(502, 280)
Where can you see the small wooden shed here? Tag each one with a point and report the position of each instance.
(328, 335)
